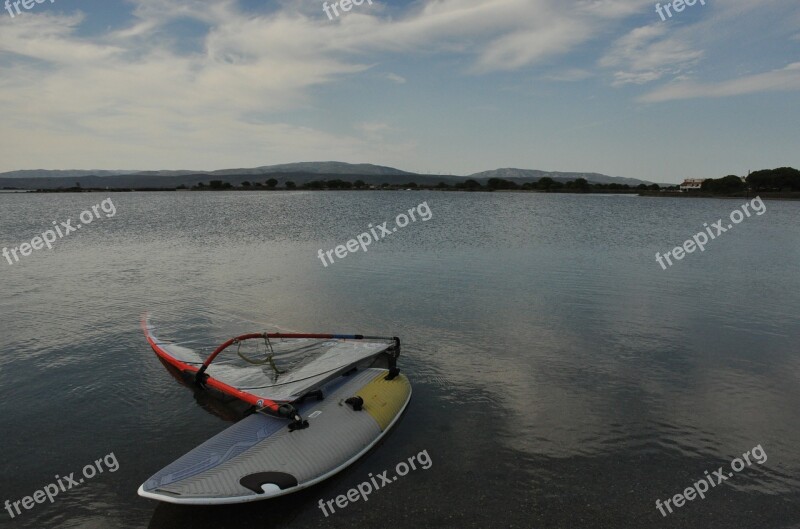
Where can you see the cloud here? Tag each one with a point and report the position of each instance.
(521, 48)
(570, 75)
(47, 37)
(195, 82)
(396, 78)
(622, 78)
(784, 79)
(670, 53)
(647, 54)
(373, 130)
(142, 88)
(131, 92)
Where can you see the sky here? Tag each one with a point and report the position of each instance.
(433, 86)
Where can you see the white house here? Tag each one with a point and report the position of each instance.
(692, 184)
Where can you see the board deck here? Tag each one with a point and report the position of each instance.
(260, 458)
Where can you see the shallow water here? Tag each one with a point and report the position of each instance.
(561, 377)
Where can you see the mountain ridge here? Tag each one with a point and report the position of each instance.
(299, 173)
(329, 167)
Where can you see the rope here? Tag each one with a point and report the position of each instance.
(268, 360)
(272, 353)
(250, 360)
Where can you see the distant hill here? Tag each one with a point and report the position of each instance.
(299, 173)
(71, 173)
(533, 175)
(317, 167)
(301, 167)
(165, 172)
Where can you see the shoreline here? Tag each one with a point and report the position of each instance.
(768, 195)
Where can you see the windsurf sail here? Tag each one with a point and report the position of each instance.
(285, 369)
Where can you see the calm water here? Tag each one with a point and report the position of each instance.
(561, 377)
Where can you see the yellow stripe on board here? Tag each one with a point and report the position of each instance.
(383, 399)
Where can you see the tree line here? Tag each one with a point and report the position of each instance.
(782, 179)
(493, 184)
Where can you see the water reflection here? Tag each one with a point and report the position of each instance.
(561, 378)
